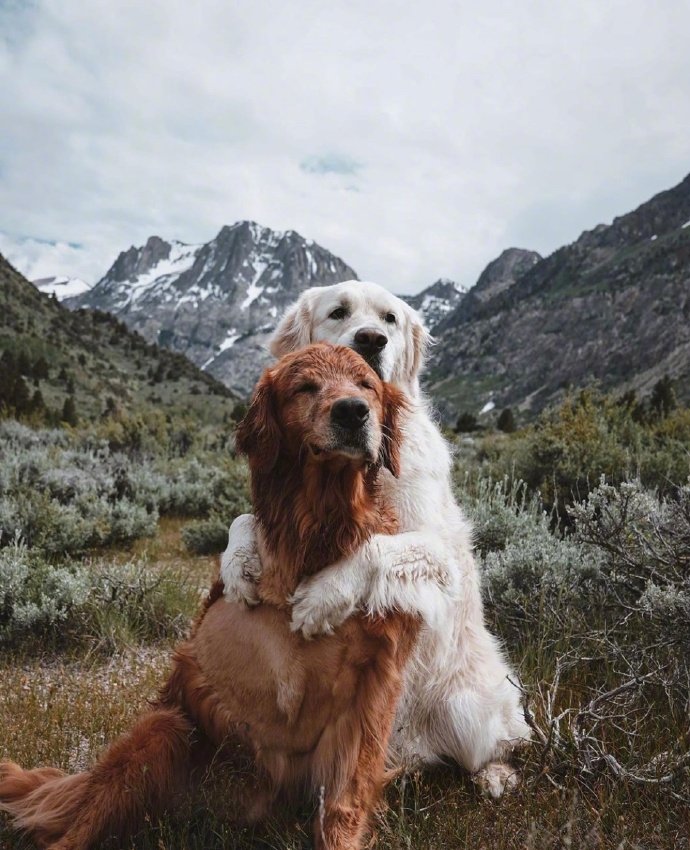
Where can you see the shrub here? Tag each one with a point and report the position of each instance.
(36, 597)
(107, 605)
(207, 536)
(531, 576)
(67, 494)
(466, 423)
(565, 453)
(506, 421)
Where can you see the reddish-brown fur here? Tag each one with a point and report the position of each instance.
(297, 716)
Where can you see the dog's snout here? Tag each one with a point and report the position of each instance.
(370, 340)
(350, 413)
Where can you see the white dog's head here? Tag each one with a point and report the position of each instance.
(385, 330)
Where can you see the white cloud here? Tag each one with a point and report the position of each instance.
(414, 141)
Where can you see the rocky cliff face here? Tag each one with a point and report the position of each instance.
(216, 303)
(436, 301)
(611, 308)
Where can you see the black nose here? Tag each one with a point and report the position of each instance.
(350, 413)
(370, 340)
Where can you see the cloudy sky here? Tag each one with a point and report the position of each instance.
(415, 140)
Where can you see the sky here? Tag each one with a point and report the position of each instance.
(414, 140)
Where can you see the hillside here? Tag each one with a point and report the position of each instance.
(215, 303)
(612, 308)
(92, 357)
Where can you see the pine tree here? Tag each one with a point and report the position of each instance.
(40, 369)
(69, 411)
(37, 404)
(663, 398)
(466, 422)
(24, 364)
(506, 421)
(21, 399)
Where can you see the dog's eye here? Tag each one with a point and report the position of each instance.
(307, 387)
(391, 318)
(338, 313)
(366, 385)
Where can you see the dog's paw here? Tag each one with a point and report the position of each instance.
(240, 579)
(497, 779)
(240, 565)
(417, 565)
(319, 606)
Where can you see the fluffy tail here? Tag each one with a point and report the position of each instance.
(139, 774)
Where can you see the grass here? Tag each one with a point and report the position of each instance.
(62, 709)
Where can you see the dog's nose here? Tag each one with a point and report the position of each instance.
(350, 413)
(370, 340)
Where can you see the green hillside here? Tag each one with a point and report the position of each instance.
(59, 365)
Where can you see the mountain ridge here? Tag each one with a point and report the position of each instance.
(218, 302)
(611, 308)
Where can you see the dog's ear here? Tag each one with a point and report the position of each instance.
(420, 339)
(394, 404)
(258, 434)
(294, 330)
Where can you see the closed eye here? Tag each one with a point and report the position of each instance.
(338, 314)
(366, 385)
(307, 387)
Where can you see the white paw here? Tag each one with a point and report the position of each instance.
(497, 778)
(318, 608)
(240, 573)
(418, 565)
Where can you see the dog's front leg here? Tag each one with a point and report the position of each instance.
(240, 564)
(411, 572)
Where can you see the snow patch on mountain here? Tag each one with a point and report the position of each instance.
(164, 272)
(62, 287)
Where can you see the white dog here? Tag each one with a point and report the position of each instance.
(458, 700)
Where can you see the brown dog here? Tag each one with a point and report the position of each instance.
(299, 716)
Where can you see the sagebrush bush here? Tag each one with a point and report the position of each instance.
(531, 574)
(65, 495)
(206, 536)
(35, 596)
(104, 604)
(566, 451)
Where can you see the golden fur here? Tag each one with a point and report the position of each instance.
(299, 717)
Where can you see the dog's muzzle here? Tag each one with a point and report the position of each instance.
(350, 419)
(369, 343)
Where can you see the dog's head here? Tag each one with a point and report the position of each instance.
(322, 405)
(385, 330)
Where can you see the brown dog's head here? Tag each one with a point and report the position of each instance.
(322, 404)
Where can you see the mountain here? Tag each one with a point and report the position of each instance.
(436, 301)
(503, 272)
(62, 287)
(215, 303)
(611, 308)
(92, 357)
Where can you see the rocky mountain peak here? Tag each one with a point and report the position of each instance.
(217, 302)
(502, 272)
(437, 300)
(137, 261)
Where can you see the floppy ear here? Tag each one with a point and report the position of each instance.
(418, 342)
(394, 404)
(294, 330)
(258, 434)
